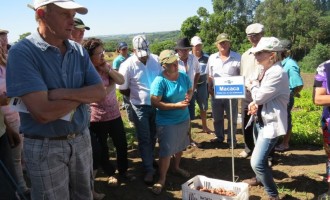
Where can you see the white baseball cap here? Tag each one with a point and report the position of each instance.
(141, 45)
(196, 41)
(254, 29)
(268, 44)
(66, 4)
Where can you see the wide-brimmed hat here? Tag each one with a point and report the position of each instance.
(78, 23)
(4, 31)
(253, 29)
(141, 45)
(182, 43)
(167, 57)
(268, 44)
(222, 37)
(66, 4)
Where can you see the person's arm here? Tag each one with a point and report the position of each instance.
(13, 136)
(196, 78)
(320, 96)
(113, 74)
(44, 110)
(210, 86)
(156, 102)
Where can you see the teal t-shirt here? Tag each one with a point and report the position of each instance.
(292, 69)
(171, 92)
(117, 62)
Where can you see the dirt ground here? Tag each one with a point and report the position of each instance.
(296, 172)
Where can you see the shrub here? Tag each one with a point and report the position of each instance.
(306, 120)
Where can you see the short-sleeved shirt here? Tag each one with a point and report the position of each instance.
(138, 78)
(321, 80)
(292, 69)
(34, 65)
(217, 68)
(203, 70)
(171, 92)
(108, 108)
(192, 67)
(117, 61)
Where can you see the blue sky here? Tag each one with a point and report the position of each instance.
(108, 17)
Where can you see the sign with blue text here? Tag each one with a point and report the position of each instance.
(229, 87)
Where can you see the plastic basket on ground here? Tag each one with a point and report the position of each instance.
(190, 189)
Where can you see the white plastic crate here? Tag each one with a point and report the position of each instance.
(189, 191)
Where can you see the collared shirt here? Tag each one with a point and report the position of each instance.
(138, 78)
(218, 68)
(292, 69)
(250, 69)
(273, 93)
(192, 67)
(34, 65)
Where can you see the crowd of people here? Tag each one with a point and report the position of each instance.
(59, 73)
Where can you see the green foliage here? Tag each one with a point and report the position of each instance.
(315, 57)
(24, 35)
(306, 120)
(157, 47)
(190, 26)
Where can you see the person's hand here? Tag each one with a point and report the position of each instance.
(182, 104)
(252, 108)
(211, 90)
(252, 83)
(13, 138)
(4, 100)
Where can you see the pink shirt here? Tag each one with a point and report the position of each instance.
(11, 116)
(108, 109)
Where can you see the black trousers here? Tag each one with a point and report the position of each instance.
(100, 132)
(7, 190)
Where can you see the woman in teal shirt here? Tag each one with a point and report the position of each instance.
(171, 92)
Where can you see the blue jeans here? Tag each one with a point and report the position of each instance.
(259, 160)
(218, 108)
(144, 120)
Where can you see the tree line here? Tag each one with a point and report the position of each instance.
(306, 23)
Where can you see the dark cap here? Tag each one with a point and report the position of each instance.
(78, 23)
(286, 44)
(122, 45)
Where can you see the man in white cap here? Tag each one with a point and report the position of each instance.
(250, 70)
(201, 88)
(55, 79)
(139, 70)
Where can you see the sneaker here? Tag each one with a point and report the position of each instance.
(252, 181)
(243, 154)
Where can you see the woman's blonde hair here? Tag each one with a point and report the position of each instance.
(3, 57)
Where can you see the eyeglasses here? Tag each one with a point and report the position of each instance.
(99, 54)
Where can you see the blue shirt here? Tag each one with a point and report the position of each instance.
(171, 92)
(34, 65)
(117, 61)
(292, 69)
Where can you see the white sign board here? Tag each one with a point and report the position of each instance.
(229, 87)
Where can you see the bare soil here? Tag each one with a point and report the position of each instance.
(297, 172)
